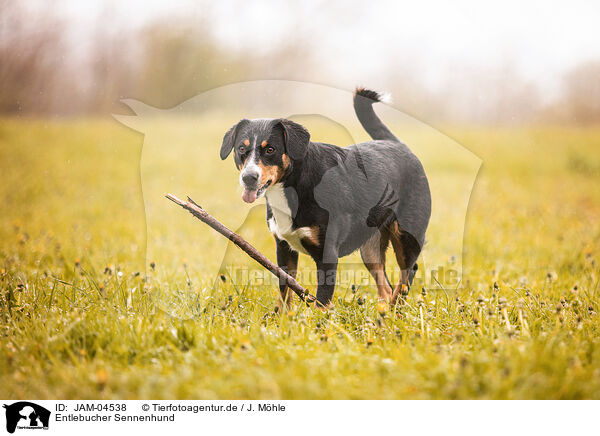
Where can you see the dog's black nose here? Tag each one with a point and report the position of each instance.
(250, 179)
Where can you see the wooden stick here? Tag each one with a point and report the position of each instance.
(196, 210)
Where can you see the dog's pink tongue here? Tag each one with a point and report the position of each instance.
(249, 196)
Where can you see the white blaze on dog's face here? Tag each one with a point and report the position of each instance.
(251, 172)
(262, 153)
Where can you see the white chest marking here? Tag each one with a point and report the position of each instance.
(280, 224)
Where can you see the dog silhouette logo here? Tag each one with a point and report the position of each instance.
(26, 415)
(180, 154)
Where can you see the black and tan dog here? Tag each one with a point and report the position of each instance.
(327, 201)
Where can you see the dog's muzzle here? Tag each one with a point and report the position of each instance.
(250, 182)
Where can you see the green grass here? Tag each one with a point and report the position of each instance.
(84, 316)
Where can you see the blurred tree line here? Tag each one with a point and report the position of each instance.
(42, 73)
(162, 63)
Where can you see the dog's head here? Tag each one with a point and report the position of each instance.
(264, 152)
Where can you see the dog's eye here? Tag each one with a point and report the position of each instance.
(270, 150)
(242, 149)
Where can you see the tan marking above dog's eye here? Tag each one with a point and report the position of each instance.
(246, 142)
(262, 144)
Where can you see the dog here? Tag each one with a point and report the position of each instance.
(327, 201)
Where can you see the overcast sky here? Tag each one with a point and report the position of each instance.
(540, 39)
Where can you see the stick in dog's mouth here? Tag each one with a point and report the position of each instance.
(196, 210)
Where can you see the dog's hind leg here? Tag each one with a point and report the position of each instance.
(407, 250)
(373, 256)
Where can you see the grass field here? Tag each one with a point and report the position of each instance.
(83, 312)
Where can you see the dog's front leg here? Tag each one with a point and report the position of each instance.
(287, 259)
(326, 257)
(326, 276)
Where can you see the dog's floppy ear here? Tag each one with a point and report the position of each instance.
(296, 139)
(229, 139)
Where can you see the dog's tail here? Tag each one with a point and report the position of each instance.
(363, 106)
